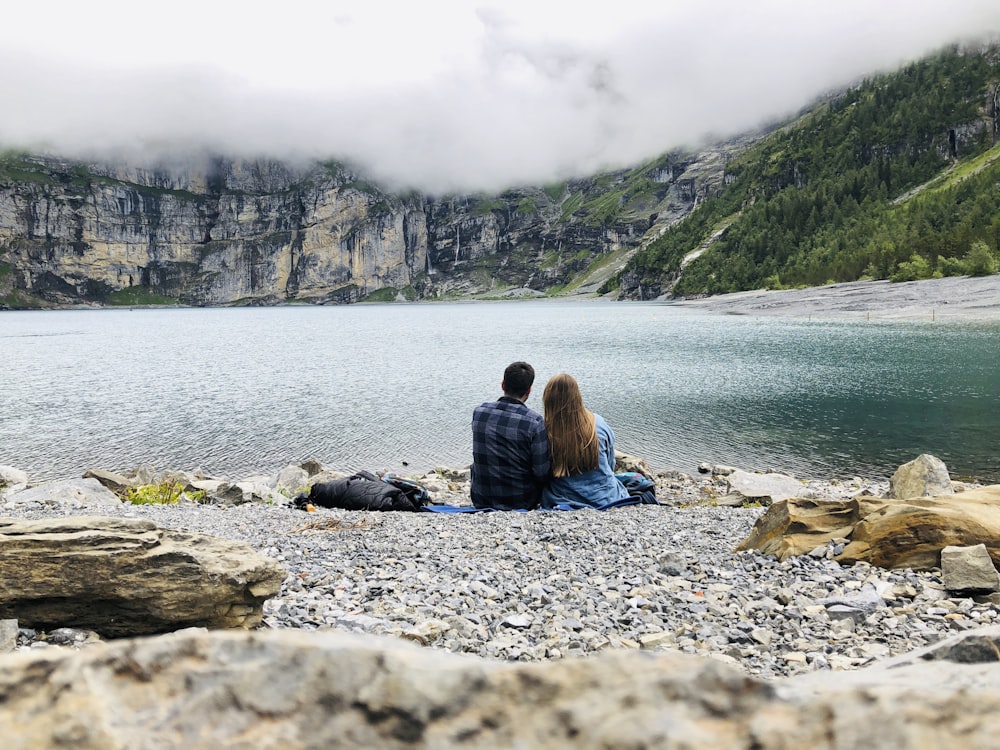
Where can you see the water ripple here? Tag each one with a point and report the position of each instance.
(237, 391)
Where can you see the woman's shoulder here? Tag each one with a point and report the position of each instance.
(600, 422)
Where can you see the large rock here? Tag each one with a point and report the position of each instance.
(126, 576)
(924, 476)
(798, 525)
(912, 533)
(291, 689)
(767, 488)
(885, 532)
(11, 477)
(86, 493)
(290, 480)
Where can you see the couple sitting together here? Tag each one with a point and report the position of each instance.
(522, 461)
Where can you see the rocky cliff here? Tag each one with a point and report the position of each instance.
(220, 231)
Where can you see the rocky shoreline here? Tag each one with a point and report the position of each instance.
(959, 299)
(545, 586)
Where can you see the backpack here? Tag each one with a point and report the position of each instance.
(415, 492)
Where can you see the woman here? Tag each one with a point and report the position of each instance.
(583, 450)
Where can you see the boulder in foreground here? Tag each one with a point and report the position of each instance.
(125, 576)
(292, 689)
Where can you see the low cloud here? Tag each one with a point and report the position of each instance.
(513, 103)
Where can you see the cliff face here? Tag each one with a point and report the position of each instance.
(223, 231)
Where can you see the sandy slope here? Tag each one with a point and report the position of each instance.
(959, 298)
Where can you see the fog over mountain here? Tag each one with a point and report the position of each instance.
(450, 95)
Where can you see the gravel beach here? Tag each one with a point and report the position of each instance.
(551, 585)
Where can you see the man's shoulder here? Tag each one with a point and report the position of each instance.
(523, 411)
(508, 405)
(510, 412)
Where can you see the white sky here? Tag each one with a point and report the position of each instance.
(441, 94)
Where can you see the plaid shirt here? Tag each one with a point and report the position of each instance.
(510, 455)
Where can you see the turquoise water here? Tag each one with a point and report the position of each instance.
(240, 391)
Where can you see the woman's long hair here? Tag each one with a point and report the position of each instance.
(571, 428)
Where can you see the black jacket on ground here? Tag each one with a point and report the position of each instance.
(362, 491)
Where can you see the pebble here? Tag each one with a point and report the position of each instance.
(553, 585)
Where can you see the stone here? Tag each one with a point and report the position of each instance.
(885, 532)
(258, 491)
(911, 533)
(291, 479)
(924, 476)
(8, 635)
(867, 599)
(144, 474)
(230, 494)
(766, 488)
(455, 475)
(70, 493)
(274, 689)
(175, 477)
(969, 570)
(735, 500)
(797, 526)
(312, 467)
(845, 612)
(427, 632)
(671, 564)
(11, 477)
(208, 486)
(625, 463)
(652, 640)
(126, 576)
(520, 622)
(117, 483)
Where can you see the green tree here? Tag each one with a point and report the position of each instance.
(847, 191)
(980, 261)
(951, 266)
(914, 269)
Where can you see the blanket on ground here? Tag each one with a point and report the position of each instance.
(642, 491)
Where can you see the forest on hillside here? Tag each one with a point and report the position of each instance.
(899, 178)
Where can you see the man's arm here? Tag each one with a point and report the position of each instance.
(541, 462)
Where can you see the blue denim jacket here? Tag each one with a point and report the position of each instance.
(592, 489)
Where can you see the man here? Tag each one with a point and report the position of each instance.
(510, 450)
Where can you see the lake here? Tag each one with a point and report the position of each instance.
(238, 391)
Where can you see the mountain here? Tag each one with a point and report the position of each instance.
(221, 231)
(897, 178)
(894, 178)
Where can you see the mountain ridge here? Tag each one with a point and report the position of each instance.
(894, 178)
(226, 231)
(836, 195)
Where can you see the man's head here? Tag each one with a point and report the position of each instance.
(517, 380)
